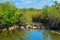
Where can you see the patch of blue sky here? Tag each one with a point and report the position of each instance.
(31, 3)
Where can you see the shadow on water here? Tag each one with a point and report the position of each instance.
(29, 34)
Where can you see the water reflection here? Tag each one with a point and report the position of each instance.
(35, 35)
(29, 34)
(55, 36)
(39, 35)
(12, 35)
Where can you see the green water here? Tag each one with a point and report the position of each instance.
(29, 34)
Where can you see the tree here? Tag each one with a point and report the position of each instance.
(7, 12)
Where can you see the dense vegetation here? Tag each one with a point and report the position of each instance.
(10, 15)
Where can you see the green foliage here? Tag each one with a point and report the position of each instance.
(9, 14)
(54, 12)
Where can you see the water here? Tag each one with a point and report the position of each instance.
(39, 35)
(29, 34)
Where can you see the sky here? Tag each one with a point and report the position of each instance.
(31, 3)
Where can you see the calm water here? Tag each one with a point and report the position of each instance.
(29, 35)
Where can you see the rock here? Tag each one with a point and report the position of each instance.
(22, 27)
(14, 27)
(55, 32)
